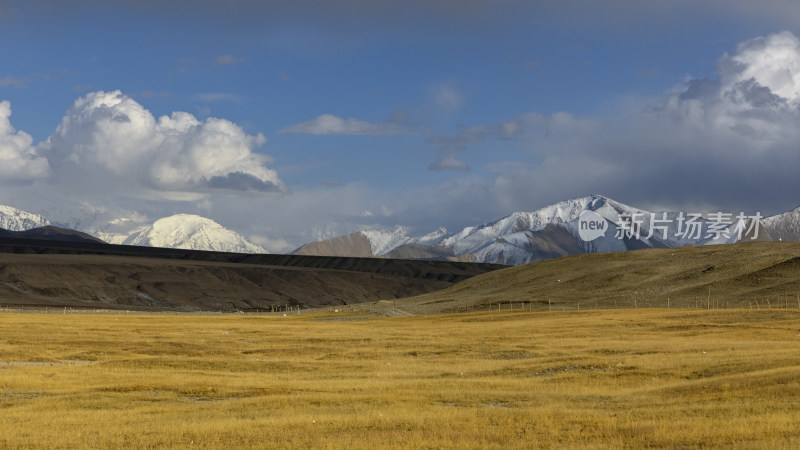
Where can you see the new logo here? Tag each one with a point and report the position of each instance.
(591, 225)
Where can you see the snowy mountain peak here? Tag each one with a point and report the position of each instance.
(400, 231)
(784, 226)
(793, 215)
(471, 239)
(433, 238)
(14, 219)
(596, 202)
(192, 232)
(382, 242)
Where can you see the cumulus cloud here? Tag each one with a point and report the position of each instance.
(330, 124)
(722, 143)
(772, 62)
(109, 132)
(755, 103)
(19, 160)
(729, 142)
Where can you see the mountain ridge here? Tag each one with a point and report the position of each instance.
(13, 219)
(553, 231)
(50, 233)
(517, 238)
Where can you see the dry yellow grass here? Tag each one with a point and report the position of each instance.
(616, 378)
(744, 275)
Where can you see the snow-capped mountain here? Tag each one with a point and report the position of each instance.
(432, 239)
(193, 233)
(368, 243)
(552, 231)
(549, 232)
(180, 231)
(14, 219)
(471, 239)
(382, 242)
(784, 226)
(518, 238)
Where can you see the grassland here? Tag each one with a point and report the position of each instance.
(758, 275)
(612, 378)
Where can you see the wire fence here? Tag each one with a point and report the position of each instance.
(388, 308)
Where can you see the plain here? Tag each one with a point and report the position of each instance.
(518, 379)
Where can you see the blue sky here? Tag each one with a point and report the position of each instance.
(343, 115)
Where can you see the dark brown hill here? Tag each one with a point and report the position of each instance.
(51, 233)
(93, 275)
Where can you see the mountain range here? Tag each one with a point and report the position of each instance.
(553, 231)
(183, 231)
(519, 238)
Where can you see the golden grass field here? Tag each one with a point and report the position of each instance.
(625, 378)
(757, 275)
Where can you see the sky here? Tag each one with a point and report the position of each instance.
(291, 121)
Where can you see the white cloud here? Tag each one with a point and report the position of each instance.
(330, 124)
(110, 130)
(729, 142)
(772, 62)
(215, 153)
(110, 133)
(19, 160)
(726, 143)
